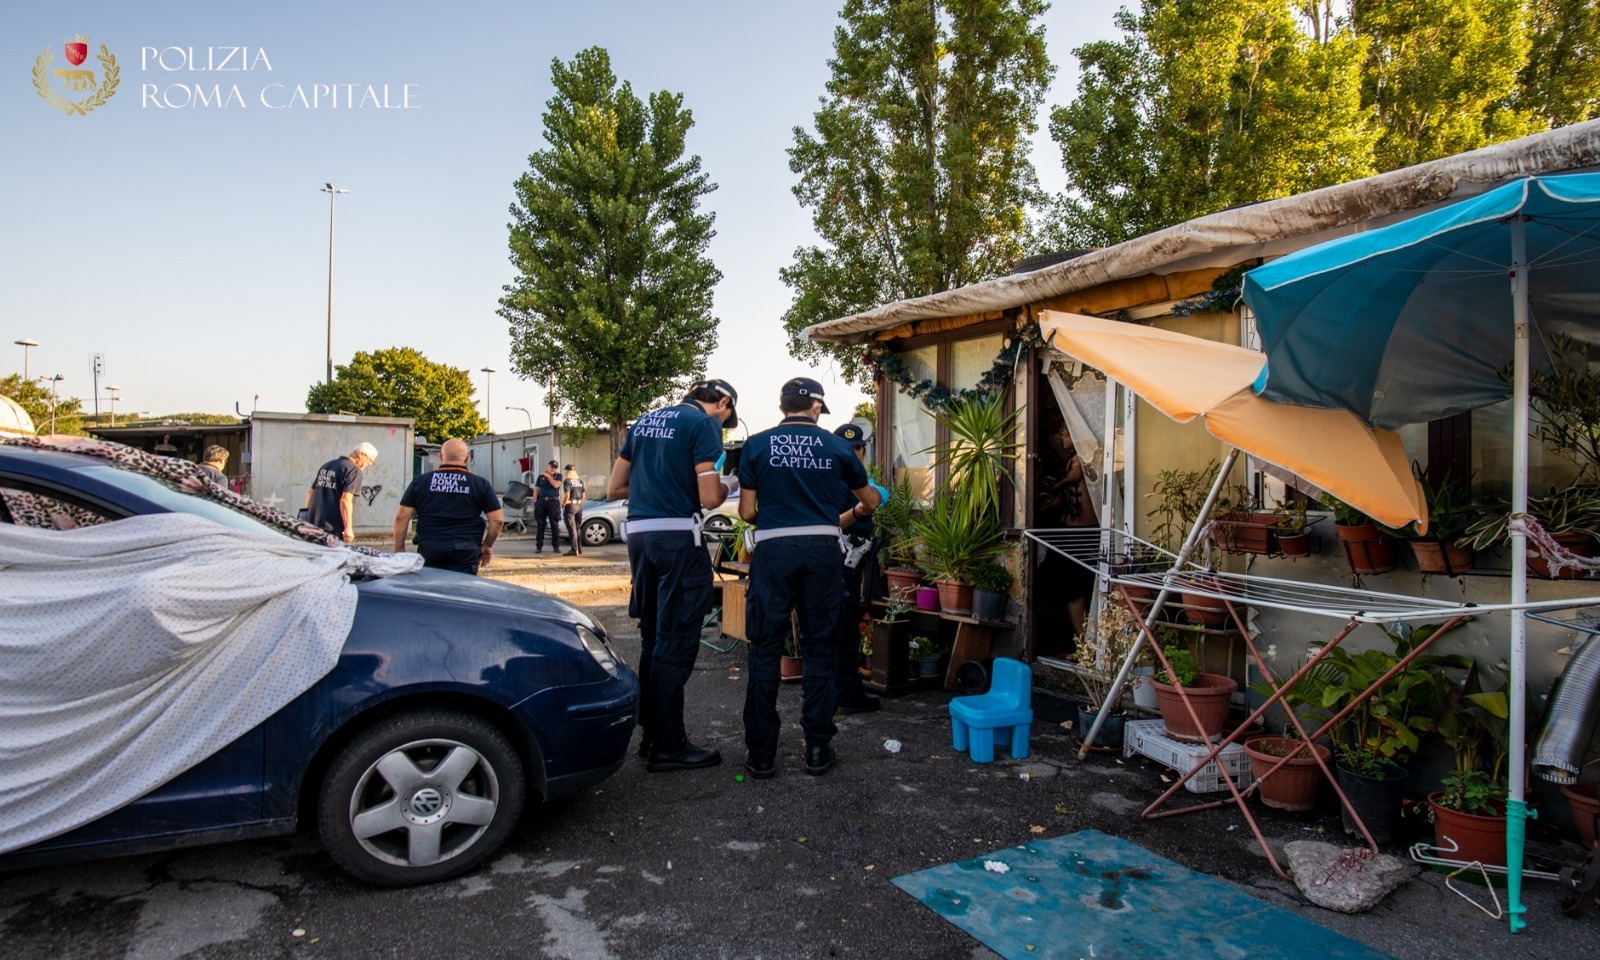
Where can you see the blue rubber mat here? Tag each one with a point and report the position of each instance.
(1092, 895)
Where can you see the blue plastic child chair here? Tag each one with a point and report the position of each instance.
(1006, 709)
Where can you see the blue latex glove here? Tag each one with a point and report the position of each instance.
(720, 461)
(883, 493)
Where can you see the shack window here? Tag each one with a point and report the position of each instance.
(912, 427)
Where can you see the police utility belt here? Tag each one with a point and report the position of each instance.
(814, 530)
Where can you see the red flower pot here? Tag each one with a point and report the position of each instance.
(1209, 697)
(1475, 837)
(1292, 786)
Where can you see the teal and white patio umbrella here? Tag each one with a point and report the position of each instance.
(1416, 321)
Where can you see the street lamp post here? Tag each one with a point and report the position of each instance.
(111, 390)
(525, 413)
(487, 395)
(333, 195)
(25, 344)
(54, 382)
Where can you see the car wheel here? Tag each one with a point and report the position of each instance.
(718, 524)
(596, 533)
(420, 797)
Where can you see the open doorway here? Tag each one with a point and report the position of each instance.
(1062, 497)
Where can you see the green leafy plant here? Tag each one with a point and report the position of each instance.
(1574, 509)
(1476, 724)
(893, 520)
(951, 541)
(979, 453)
(1450, 510)
(896, 605)
(923, 648)
(1567, 399)
(1475, 792)
(1344, 514)
(1389, 725)
(989, 575)
(1179, 495)
(1291, 515)
(1185, 668)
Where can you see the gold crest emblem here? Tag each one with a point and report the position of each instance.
(75, 79)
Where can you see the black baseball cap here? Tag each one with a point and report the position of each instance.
(726, 389)
(852, 433)
(804, 387)
(553, 463)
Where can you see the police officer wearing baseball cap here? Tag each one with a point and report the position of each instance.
(667, 471)
(858, 560)
(789, 476)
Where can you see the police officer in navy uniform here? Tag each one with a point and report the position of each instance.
(860, 550)
(458, 514)
(667, 470)
(789, 477)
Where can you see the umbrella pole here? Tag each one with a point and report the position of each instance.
(1189, 544)
(1516, 805)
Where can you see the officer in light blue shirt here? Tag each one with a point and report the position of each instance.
(667, 472)
(789, 478)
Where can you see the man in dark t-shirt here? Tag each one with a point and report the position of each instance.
(667, 470)
(789, 479)
(458, 515)
(331, 500)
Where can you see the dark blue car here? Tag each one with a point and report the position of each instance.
(454, 699)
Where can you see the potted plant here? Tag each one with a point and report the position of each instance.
(1570, 515)
(1469, 811)
(791, 666)
(1365, 547)
(1290, 784)
(1207, 693)
(991, 590)
(890, 661)
(1179, 496)
(1139, 559)
(1372, 743)
(1240, 525)
(953, 538)
(1291, 531)
(925, 654)
(892, 521)
(1443, 549)
(1096, 660)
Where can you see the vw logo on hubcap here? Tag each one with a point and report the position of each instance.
(426, 802)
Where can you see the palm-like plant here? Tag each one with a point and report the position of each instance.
(951, 541)
(979, 452)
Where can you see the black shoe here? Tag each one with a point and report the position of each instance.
(867, 704)
(645, 746)
(686, 757)
(820, 759)
(572, 553)
(757, 771)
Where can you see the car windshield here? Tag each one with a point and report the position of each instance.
(175, 500)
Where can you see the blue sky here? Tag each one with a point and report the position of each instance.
(189, 246)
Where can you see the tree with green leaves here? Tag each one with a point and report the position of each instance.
(1442, 75)
(36, 400)
(401, 382)
(1205, 104)
(917, 172)
(1561, 79)
(612, 301)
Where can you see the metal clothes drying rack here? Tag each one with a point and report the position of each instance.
(1118, 558)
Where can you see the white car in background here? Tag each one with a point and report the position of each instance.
(602, 520)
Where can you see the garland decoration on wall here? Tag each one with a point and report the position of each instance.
(1000, 374)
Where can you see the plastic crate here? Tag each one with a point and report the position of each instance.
(1149, 738)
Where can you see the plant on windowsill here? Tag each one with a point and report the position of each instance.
(1443, 549)
(1570, 515)
(1365, 548)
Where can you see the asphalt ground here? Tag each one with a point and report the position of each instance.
(698, 864)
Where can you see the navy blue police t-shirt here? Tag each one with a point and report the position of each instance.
(334, 479)
(662, 448)
(795, 469)
(450, 504)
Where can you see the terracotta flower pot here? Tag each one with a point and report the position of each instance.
(1446, 558)
(904, 580)
(1245, 533)
(1203, 609)
(1480, 838)
(1292, 786)
(1209, 697)
(1294, 544)
(955, 597)
(1140, 597)
(791, 668)
(1584, 799)
(1365, 547)
(1578, 543)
